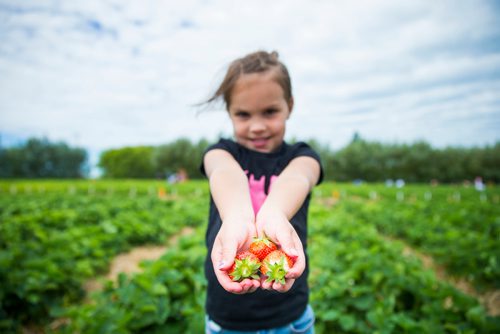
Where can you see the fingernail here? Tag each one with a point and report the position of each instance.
(221, 264)
(293, 253)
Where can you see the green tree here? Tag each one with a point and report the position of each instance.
(360, 160)
(180, 154)
(326, 156)
(128, 162)
(40, 158)
(490, 160)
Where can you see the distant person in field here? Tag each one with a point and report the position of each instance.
(478, 183)
(260, 186)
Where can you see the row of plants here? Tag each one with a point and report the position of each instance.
(51, 243)
(458, 227)
(359, 282)
(167, 297)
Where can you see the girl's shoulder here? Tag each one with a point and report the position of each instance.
(301, 149)
(286, 151)
(225, 144)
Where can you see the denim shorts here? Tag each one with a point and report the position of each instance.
(304, 325)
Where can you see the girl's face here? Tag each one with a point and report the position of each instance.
(259, 111)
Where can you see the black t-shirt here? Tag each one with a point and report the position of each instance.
(262, 309)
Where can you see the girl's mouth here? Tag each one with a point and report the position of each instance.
(259, 142)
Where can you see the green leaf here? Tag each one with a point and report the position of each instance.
(364, 302)
(159, 289)
(330, 315)
(347, 322)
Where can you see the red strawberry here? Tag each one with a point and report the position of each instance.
(246, 265)
(275, 266)
(260, 247)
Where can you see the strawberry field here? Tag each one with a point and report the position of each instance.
(57, 235)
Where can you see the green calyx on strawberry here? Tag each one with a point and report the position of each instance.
(246, 265)
(261, 247)
(275, 266)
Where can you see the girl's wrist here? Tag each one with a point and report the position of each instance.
(239, 218)
(267, 212)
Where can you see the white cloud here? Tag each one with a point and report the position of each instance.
(108, 74)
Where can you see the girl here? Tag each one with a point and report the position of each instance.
(260, 186)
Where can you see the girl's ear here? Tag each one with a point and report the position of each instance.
(290, 106)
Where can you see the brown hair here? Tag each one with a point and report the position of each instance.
(256, 62)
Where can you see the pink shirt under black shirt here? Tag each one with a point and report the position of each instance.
(261, 309)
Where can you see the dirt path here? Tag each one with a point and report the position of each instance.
(129, 262)
(489, 299)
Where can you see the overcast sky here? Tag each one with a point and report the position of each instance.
(106, 74)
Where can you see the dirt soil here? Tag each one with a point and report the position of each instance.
(489, 299)
(128, 263)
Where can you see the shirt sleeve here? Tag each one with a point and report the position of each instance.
(223, 144)
(302, 149)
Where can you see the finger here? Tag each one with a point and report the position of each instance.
(227, 253)
(252, 232)
(286, 238)
(249, 285)
(256, 285)
(259, 229)
(216, 253)
(299, 264)
(252, 290)
(221, 268)
(278, 287)
(266, 285)
(228, 284)
(246, 284)
(297, 269)
(283, 287)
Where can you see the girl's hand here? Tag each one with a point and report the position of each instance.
(275, 226)
(233, 236)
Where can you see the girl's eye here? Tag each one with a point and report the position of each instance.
(242, 114)
(270, 111)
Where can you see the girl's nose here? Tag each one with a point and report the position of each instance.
(257, 126)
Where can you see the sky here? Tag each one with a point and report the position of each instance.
(115, 73)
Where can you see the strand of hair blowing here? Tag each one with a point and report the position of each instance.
(256, 62)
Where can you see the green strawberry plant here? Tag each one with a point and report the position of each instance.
(55, 235)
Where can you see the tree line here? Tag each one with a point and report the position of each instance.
(154, 161)
(369, 161)
(40, 158)
(417, 162)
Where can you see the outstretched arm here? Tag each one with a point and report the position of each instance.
(285, 198)
(229, 189)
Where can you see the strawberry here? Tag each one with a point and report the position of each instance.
(275, 266)
(246, 265)
(260, 247)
